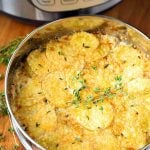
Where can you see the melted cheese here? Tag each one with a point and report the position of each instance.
(37, 63)
(85, 91)
(97, 117)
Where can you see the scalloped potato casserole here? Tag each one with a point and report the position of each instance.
(88, 90)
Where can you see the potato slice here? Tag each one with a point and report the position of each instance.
(97, 77)
(38, 63)
(138, 85)
(82, 23)
(106, 141)
(32, 89)
(136, 120)
(99, 116)
(25, 102)
(59, 57)
(132, 72)
(107, 43)
(82, 43)
(127, 54)
(71, 138)
(29, 93)
(54, 88)
(38, 119)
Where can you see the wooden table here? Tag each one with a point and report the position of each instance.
(134, 12)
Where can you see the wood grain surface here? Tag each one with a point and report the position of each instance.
(134, 12)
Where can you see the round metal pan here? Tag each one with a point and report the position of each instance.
(51, 31)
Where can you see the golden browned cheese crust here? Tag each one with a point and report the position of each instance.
(89, 90)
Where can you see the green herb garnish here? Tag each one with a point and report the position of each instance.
(7, 51)
(97, 89)
(78, 139)
(45, 101)
(118, 78)
(57, 145)
(65, 88)
(16, 146)
(101, 108)
(101, 99)
(48, 111)
(85, 46)
(107, 91)
(90, 98)
(118, 82)
(82, 81)
(11, 130)
(40, 65)
(37, 124)
(87, 117)
(105, 66)
(76, 102)
(65, 58)
(76, 94)
(94, 67)
(60, 53)
(77, 76)
(3, 108)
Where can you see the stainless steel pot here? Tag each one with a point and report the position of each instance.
(49, 10)
(45, 33)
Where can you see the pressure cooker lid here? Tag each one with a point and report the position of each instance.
(65, 5)
(50, 10)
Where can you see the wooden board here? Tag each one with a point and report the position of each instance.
(134, 12)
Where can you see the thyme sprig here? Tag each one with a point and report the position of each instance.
(76, 92)
(7, 51)
(5, 54)
(118, 82)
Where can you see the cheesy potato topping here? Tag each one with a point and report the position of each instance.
(85, 91)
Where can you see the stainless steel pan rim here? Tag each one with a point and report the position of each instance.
(23, 140)
(20, 46)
